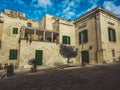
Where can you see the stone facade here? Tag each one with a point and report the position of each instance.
(30, 38)
(99, 47)
(44, 35)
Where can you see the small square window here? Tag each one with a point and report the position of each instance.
(15, 30)
(66, 40)
(13, 54)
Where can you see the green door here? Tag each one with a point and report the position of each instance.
(39, 56)
(85, 56)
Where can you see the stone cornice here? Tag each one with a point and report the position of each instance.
(95, 11)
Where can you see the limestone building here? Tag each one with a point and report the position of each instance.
(22, 39)
(96, 34)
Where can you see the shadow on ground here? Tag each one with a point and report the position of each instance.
(103, 77)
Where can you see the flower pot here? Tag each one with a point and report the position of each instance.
(83, 63)
(33, 69)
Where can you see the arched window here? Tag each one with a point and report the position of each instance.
(66, 39)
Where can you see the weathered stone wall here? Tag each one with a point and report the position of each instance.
(42, 23)
(107, 45)
(49, 22)
(10, 40)
(98, 45)
(67, 29)
(51, 55)
(26, 52)
(56, 26)
(97, 26)
(90, 46)
(1, 26)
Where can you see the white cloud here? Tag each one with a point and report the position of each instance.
(68, 9)
(41, 3)
(69, 15)
(44, 3)
(111, 6)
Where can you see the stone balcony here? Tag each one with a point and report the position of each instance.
(32, 34)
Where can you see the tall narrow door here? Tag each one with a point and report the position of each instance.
(39, 56)
(85, 56)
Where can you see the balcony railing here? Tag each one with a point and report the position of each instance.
(30, 34)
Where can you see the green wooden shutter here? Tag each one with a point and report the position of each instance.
(39, 56)
(68, 40)
(80, 39)
(10, 55)
(114, 35)
(109, 31)
(85, 36)
(64, 39)
(13, 54)
(15, 30)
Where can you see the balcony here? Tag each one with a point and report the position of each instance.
(31, 34)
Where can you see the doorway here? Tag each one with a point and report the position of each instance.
(85, 56)
(39, 56)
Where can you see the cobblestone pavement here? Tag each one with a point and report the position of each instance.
(105, 77)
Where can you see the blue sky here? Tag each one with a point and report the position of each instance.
(68, 9)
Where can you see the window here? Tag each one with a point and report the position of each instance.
(29, 24)
(13, 54)
(83, 36)
(66, 40)
(112, 35)
(113, 53)
(15, 30)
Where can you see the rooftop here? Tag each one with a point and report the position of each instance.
(96, 10)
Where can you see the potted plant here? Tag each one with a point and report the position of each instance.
(34, 63)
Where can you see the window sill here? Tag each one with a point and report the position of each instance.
(112, 41)
(83, 43)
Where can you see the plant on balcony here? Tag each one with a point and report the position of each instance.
(68, 52)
